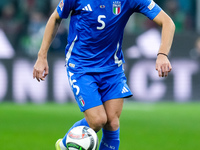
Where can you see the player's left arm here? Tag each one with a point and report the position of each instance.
(163, 65)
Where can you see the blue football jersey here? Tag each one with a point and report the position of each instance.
(96, 31)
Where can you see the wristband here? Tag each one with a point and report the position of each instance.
(162, 54)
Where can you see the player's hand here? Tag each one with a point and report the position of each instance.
(41, 69)
(163, 66)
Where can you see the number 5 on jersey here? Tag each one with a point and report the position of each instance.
(100, 17)
(72, 83)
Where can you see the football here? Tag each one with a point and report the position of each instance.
(82, 138)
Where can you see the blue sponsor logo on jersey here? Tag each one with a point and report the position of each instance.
(116, 7)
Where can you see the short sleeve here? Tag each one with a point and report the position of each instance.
(64, 8)
(148, 7)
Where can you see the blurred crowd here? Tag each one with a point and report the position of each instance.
(23, 22)
(182, 12)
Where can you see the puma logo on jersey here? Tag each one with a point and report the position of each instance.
(87, 8)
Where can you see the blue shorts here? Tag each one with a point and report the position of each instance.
(93, 89)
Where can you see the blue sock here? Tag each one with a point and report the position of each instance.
(110, 140)
(82, 122)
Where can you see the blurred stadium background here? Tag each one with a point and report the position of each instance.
(163, 112)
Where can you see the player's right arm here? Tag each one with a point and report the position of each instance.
(41, 69)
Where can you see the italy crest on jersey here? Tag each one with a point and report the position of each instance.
(116, 7)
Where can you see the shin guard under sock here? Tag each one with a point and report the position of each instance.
(110, 140)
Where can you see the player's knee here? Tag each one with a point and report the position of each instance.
(112, 124)
(98, 123)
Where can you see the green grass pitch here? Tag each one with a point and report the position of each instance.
(157, 126)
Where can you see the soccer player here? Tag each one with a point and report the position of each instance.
(94, 58)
